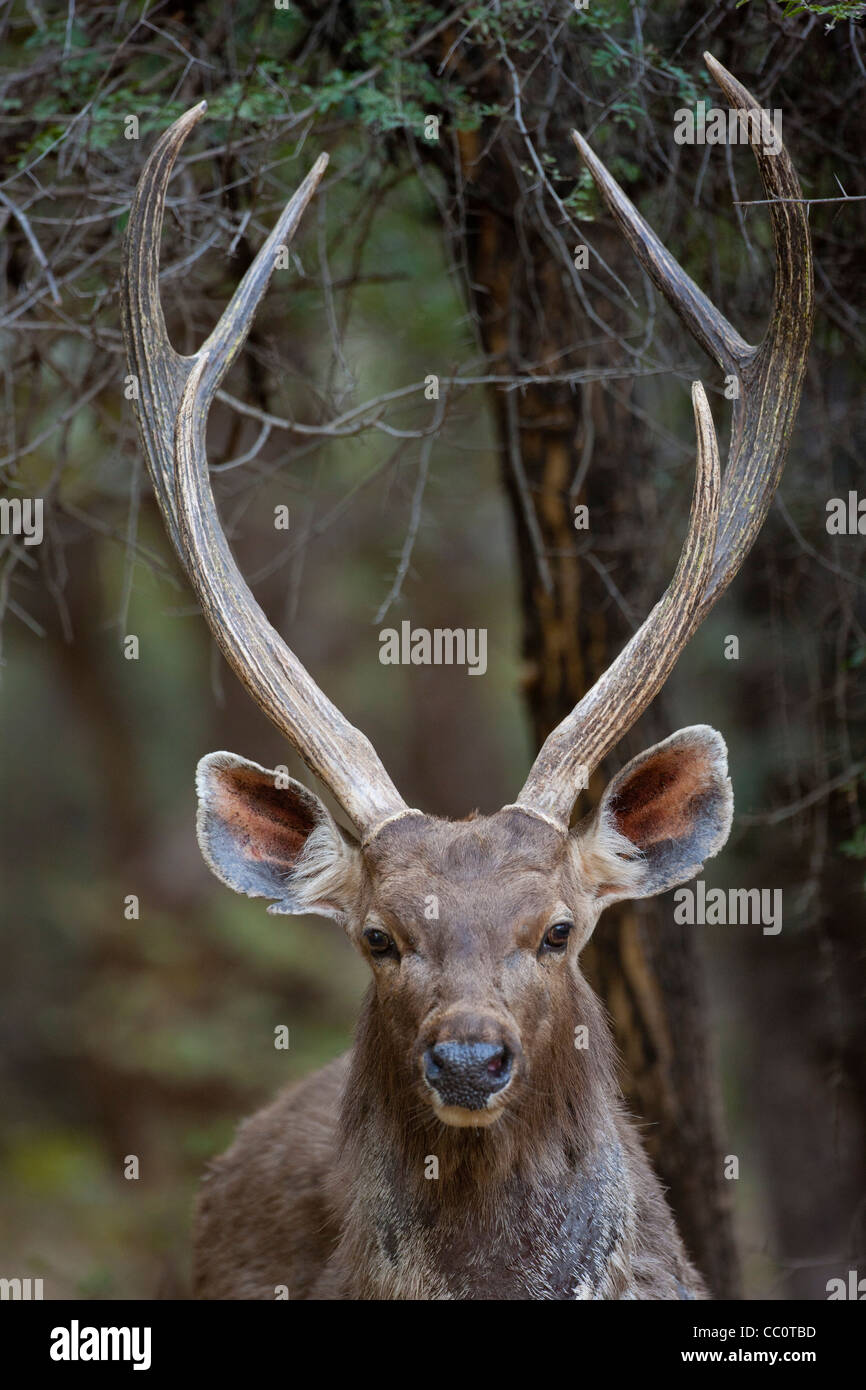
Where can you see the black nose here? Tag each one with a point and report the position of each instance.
(467, 1074)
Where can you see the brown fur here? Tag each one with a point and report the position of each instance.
(325, 1191)
(661, 796)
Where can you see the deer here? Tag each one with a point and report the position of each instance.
(465, 1147)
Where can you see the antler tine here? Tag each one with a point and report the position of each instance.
(161, 371)
(175, 395)
(700, 316)
(770, 381)
(584, 737)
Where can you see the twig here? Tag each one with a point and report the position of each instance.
(415, 514)
(794, 807)
(806, 202)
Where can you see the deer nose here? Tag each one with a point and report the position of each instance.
(467, 1074)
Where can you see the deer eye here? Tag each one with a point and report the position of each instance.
(379, 942)
(556, 937)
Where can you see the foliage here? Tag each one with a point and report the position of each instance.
(845, 10)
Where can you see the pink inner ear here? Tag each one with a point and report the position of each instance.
(272, 824)
(658, 800)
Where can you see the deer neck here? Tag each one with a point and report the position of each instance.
(539, 1205)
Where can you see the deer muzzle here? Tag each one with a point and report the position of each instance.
(467, 1076)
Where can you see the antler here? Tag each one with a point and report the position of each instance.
(175, 395)
(770, 380)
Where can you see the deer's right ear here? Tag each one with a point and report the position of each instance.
(266, 835)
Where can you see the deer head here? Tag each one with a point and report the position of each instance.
(473, 929)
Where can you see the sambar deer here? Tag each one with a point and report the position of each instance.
(465, 1058)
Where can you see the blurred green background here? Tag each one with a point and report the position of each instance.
(153, 1035)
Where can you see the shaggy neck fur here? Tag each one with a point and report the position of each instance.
(538, 1205)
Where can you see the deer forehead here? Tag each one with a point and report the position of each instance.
(491, 870)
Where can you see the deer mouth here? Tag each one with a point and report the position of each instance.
(461, 1118)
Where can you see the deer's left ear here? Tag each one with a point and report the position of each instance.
(667, 811)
